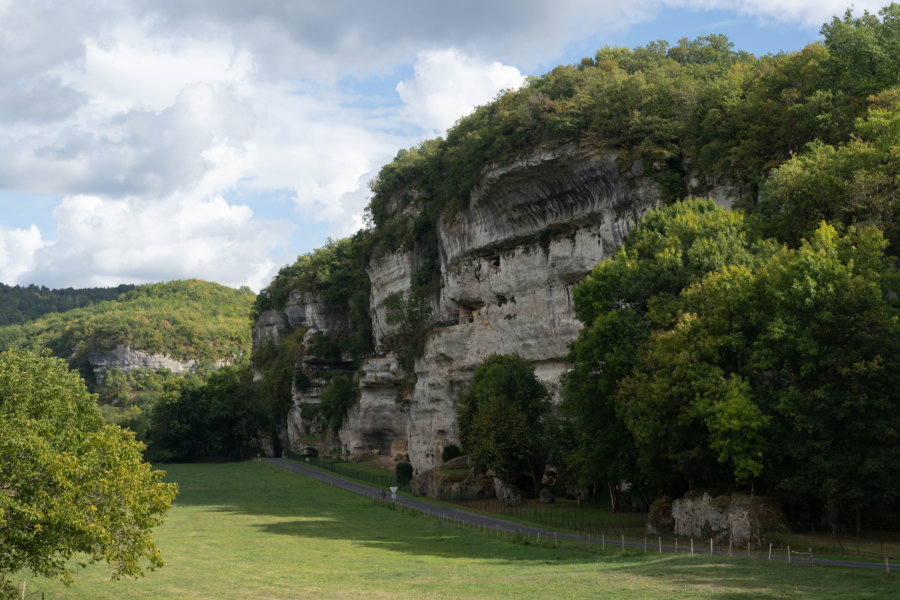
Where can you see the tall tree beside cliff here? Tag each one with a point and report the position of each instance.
(856, 182)
(768, 368)
(621, 303)
(500, 417)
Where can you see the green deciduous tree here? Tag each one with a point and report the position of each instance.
(855, 182)
(500, 416)
(69, 483)
(336, 398)
(708, 360)
(621, 303)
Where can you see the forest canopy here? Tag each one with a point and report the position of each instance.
(713, 358)
(183, 319)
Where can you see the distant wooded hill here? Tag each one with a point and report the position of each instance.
(189, 319)
(20, 304)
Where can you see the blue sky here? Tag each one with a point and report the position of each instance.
(150, 140)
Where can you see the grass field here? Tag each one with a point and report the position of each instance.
(249, 530)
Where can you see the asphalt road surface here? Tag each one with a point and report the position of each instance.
(494, 524)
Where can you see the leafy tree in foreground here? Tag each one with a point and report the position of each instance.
(500, 416)
(69, 483)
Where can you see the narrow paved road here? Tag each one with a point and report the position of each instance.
(465, 517)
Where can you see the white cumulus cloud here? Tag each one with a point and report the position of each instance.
(103, 242)
(806, 13)
(449, 84)
(17, 249)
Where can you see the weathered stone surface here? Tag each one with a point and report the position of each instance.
(740, 517)
(508, 261)
(551, 186)
(546, 496)
(507, 493)
(659, 517)
(389, 274)
(531, 230)
(306, 310)
(267, 328)
(453, 481)
(128, 359)
(400, 451)
(377, 420)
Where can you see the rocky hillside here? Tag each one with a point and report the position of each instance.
(532, 229)
(477, 239)
(176, 326)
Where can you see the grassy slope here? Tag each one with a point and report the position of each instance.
(248, 530)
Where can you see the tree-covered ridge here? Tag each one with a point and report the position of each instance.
(752, 349)
(189, 319)
(694, 112)
(20, 304)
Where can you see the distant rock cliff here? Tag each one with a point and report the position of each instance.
(531, 230)
(128, 359)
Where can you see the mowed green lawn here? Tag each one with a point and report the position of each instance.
(250, 530)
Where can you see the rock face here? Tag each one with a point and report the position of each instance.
(453, 481)
(127, 359)
(377, 421)
(508, 261)
(532, 229)
(739, 518)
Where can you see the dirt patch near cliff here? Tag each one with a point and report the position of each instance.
(383, 462)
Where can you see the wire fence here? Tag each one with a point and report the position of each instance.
(590, 520)
(348, 469)
(598, 521)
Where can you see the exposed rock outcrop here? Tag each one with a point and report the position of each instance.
(738, 518)
(533, 228)
(377, 420)
(453, 481)
(128, 359)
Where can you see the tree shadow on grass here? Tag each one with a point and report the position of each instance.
(296, 506)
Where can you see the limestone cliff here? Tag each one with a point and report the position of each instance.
(128, 359)
(531, 229)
